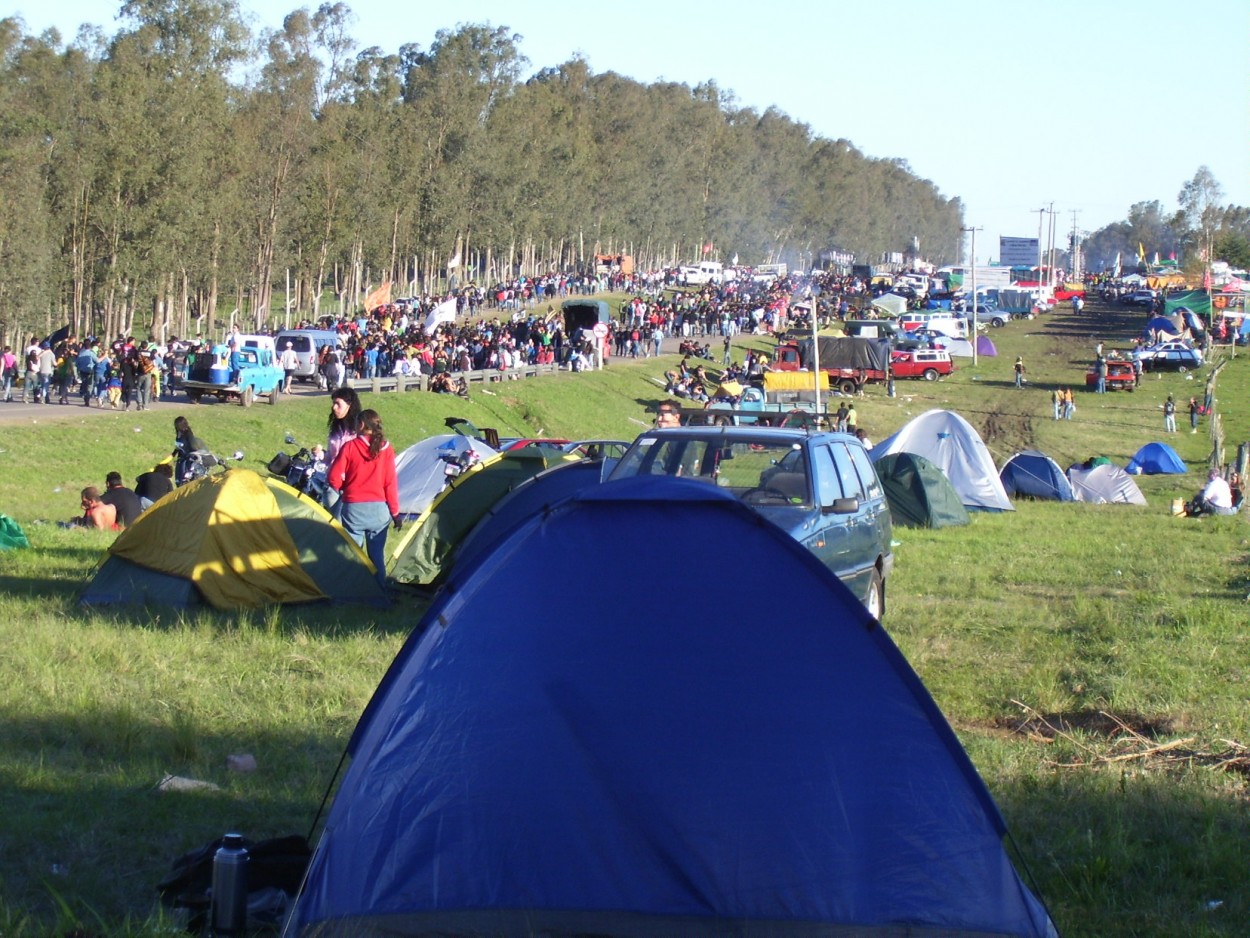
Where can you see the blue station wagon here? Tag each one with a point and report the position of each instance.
(820, 488)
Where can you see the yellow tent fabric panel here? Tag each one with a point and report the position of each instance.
(226, 534)
(794, 381)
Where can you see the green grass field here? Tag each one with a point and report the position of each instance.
(1092, 659)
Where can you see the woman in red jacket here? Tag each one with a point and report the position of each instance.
(363, 473)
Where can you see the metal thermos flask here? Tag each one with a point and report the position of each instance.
(230, 886)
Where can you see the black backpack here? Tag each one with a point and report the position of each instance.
(279, 864)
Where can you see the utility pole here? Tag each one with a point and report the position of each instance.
(972, 325)
(1074, 261)
(1040, 243)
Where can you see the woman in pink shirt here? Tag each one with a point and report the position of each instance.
(363, 473)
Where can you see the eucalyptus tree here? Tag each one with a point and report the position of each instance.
(162, 107)
(33, 95)
(303, 75)
(449, 94)
(1199, 215)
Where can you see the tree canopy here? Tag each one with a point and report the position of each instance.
(185, 168)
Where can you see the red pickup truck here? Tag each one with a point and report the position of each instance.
(929, 364)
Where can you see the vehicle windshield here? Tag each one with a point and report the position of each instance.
(757, 471)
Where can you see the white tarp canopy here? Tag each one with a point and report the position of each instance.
(892, 303)
(949, 442)
(422, 469)
(1104, 484)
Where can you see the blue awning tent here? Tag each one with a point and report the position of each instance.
(1035, 475)
(1156, 459)
(600, 760)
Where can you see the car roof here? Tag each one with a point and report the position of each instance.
(749, 434)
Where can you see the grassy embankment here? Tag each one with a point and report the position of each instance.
(1092, 659)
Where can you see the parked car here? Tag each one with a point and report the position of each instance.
(1139, 298)
(547, 443)
(1171, 356)
(820, 488)
(929, 364)
(1120, 376)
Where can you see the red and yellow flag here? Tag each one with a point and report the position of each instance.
(379, 297)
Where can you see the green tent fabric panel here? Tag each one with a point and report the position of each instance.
(421, 556)
(12, 537)
(341, 570)
(122, 582)
(919, 493)
(1198, 301)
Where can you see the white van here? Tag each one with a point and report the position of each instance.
(307, 345)
(703, 272)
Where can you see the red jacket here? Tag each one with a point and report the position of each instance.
(361, 479)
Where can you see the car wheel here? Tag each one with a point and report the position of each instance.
(874, 599)
(930, 374)
(847, 387)
(998, 322)
(247, 396)
(273, 395)
(1181, 369)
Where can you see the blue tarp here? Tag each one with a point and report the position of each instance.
(558, 750)
(1035, 475)
(1156, 459)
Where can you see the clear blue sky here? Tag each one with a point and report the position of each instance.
(1091, 105)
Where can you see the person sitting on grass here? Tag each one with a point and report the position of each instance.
(1216, 497)
(95, 513)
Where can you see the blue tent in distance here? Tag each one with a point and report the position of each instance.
(1156, 459)
(1035, 475)
(611, 762)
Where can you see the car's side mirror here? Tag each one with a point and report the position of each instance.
(842, 506)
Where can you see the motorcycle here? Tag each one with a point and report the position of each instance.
(190, 465)
(305, 472)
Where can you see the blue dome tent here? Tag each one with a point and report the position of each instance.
(1156, 459)
(620, 763)
(1035, 475)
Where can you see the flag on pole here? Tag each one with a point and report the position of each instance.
(379, 297)
(1141, 252)
(1117, 265)
(1206, 280)
(443, 312)
(454, 262)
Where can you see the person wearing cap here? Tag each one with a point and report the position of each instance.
(85, 363)
(96, 514)
(289, 361)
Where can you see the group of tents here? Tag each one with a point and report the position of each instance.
(530, 765)
(937, 468)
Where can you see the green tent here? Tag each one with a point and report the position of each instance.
(1196, 301)
(425, 548)
(919, 493)
(12, 536)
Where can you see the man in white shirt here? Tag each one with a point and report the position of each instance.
(1216, 498)
(289, 361)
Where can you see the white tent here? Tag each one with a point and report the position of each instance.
(958, 348)
(950, 443)
(423, 468)
(892, 303)
(1104, 484)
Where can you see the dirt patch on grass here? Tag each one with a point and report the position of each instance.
(1098, 738)
(1095, 723)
